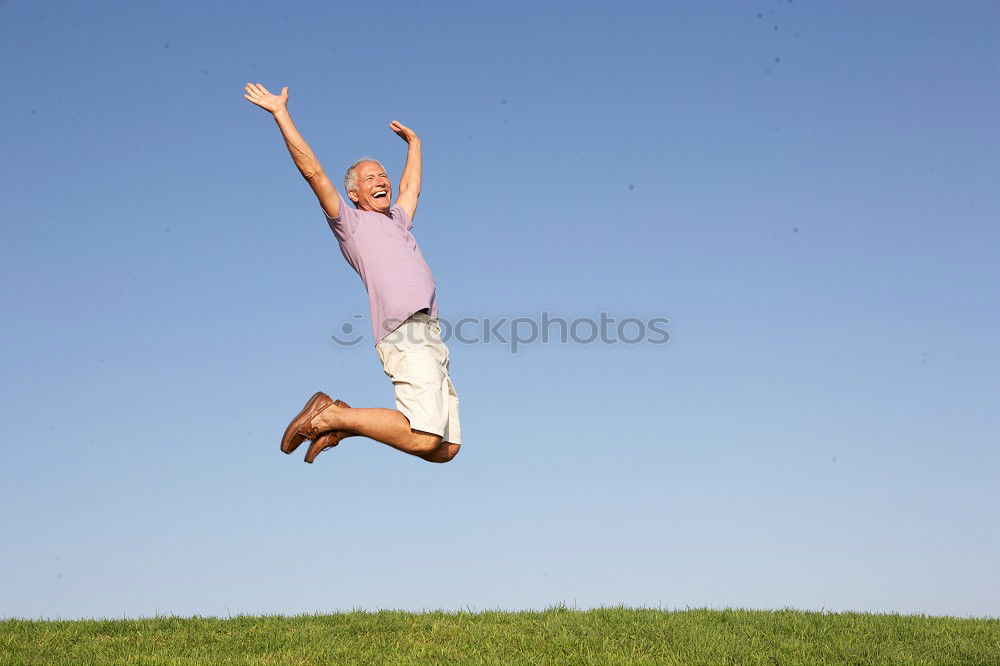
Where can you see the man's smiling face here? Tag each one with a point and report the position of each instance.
(374, 190)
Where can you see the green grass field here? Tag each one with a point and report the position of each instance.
(555, 636)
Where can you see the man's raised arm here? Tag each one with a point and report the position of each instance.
(303, 156)
(409, 183)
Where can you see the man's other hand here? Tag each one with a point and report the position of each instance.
(260, 96)
(404, 132)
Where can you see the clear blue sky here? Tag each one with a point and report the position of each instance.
(807, 190)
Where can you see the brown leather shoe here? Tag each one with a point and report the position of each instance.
(326, 440)
(301, 428)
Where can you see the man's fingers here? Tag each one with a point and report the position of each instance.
(402, 130)
(262, 89)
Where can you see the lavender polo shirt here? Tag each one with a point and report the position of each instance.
(384, 253)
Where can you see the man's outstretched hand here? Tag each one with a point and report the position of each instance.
(260, 96)
(404, 132)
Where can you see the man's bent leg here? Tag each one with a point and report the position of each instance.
(388, 426)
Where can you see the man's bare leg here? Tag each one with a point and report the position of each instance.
(388, 426)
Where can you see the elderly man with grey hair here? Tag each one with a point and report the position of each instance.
(376, 240)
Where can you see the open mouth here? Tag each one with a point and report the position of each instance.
(380, 194)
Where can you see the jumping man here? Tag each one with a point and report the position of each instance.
(375, 239)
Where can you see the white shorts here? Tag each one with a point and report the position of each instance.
(416, 360)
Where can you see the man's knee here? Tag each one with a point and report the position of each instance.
(443, 453)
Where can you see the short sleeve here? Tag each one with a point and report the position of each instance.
(399, 214)
(346, 223)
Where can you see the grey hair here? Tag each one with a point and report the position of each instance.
(351, 177)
